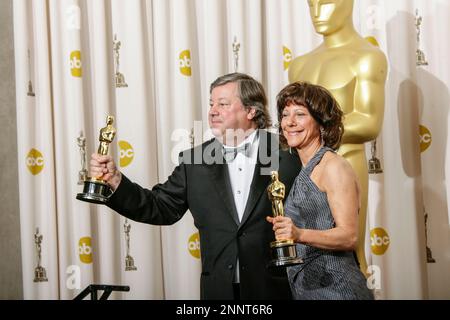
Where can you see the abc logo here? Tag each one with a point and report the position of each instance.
(35, 162)
(126, 153)
(75, 63)
(85, 250)
(379, 241)
(425, 138)
(194, 245)
(185, 63)
(287, 57)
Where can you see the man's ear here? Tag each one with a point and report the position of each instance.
(251, 113)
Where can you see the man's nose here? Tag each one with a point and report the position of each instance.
(213, 110)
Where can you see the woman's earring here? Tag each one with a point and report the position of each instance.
(322, 131)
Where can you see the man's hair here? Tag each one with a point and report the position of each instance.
(321, 105)
(252, 95)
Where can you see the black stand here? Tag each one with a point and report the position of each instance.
(107, 290)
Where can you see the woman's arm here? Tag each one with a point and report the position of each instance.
(341, 186)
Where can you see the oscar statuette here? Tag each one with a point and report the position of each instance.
(30, 92)
(129, 261)
(96, 190)
(83, 173)
(420, 55)
(374, 162)
(120, 78)
(430, 258)
(40, 274)
(236, 48)
(283, 252)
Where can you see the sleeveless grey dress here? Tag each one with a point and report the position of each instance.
(324, 274)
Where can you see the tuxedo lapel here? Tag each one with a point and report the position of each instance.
(222, 183)
(257, 188)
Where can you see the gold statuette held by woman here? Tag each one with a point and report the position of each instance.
(96, 190)
(283, 252)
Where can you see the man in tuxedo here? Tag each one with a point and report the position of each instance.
(223, 183)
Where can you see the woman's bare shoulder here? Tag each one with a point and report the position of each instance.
(337, 169)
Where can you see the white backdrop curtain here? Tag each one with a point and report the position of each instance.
(171, 50)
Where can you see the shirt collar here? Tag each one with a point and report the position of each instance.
(252, 140)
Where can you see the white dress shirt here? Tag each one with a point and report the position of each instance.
(241, 171)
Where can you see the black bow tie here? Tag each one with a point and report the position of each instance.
(230, 153)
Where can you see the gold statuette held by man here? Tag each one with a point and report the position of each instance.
(96, 190)
(283, 252)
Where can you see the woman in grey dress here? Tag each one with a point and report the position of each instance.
(322, 207)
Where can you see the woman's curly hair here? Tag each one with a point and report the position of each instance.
(322, 106)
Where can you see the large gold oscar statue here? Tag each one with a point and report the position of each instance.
(355, 72)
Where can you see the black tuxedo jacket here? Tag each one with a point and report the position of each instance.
(201, 184)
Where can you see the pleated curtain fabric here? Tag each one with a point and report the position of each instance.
(150, 64)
